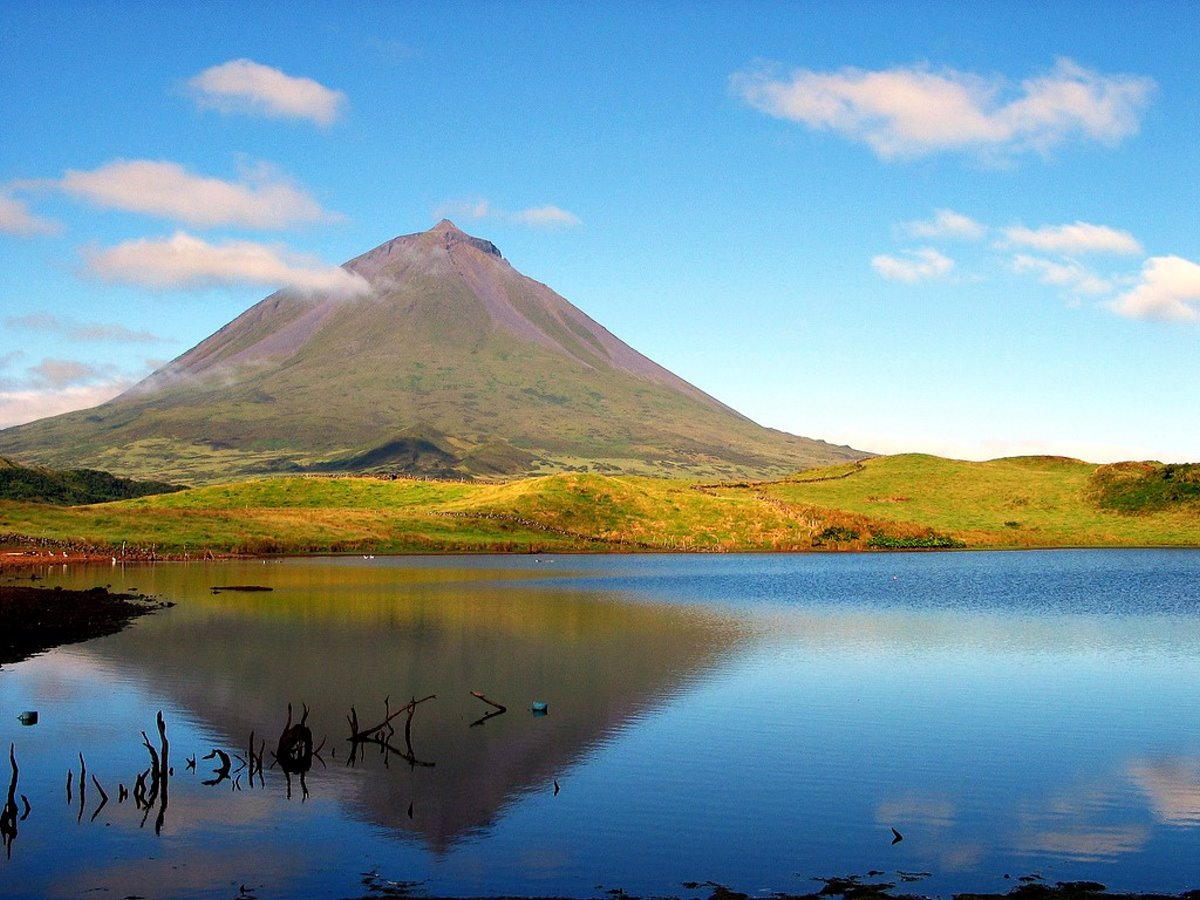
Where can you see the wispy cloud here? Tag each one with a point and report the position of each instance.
(478, 209)
(916, 111)
(54, 386)
(1078, 237)
(924, 264)
(261, 199)
(1169, 290)
(81, 331)
(546, 217)
(16, 218)
(29, 404)
(1069, 274)
(61, 373)
(244, 86)
(946, 223)
(184, 262)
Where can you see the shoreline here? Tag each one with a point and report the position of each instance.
(36, 619)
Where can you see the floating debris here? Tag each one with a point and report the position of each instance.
(29, 717)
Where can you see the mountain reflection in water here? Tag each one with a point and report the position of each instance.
(751, 720)
(333, 638)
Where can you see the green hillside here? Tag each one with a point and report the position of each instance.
(909, 501)
(1034, 501)
(72, 486)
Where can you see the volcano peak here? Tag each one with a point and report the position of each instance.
(457, 364)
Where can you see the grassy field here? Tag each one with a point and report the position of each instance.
(908, 501)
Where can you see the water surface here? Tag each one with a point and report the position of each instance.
(756, 721)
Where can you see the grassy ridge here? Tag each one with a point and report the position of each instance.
(1035, 501)
(887, 502)
(71, 486)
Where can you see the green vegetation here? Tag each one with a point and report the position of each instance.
(898, 502)
(1033, 501)
(1147, 487)
(72, 486)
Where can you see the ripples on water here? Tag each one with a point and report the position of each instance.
(751, 720)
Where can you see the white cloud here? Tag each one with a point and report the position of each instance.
(1169, 290)
(914, 111)
(1079, 237)
(186, 262)
(262, 199)
(55, 386)
(242, 85)
(15, 218)
(20, 406)
(546, 217)
(946, 223)
(1068, 274)
(919, 265)
(478, 209)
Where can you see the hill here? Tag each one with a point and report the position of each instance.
(898, 502)
(72, 486)
(454, 364)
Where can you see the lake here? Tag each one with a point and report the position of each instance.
(757, 721)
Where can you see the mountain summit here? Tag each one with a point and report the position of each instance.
(453, 363)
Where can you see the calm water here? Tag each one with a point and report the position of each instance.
(756, 721)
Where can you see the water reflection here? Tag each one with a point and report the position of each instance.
(1173, 788)
(340, 642)
(349, 721)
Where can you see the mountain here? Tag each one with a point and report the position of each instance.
(453, 364)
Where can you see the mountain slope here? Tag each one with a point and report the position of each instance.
(454, 363)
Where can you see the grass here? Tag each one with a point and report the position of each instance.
(1017, 502)
(897, 502)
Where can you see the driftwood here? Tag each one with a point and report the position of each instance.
(103, 799)
(364, 734)
(82, 787)
(222, 770)
(294, 751)
(8, 818)
(375, 734)
(501, 709)
(256, 760)
(160, 777)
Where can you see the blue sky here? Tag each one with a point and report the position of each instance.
(966, 229)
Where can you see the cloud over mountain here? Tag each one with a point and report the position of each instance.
(184, 262)
(479, 209)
